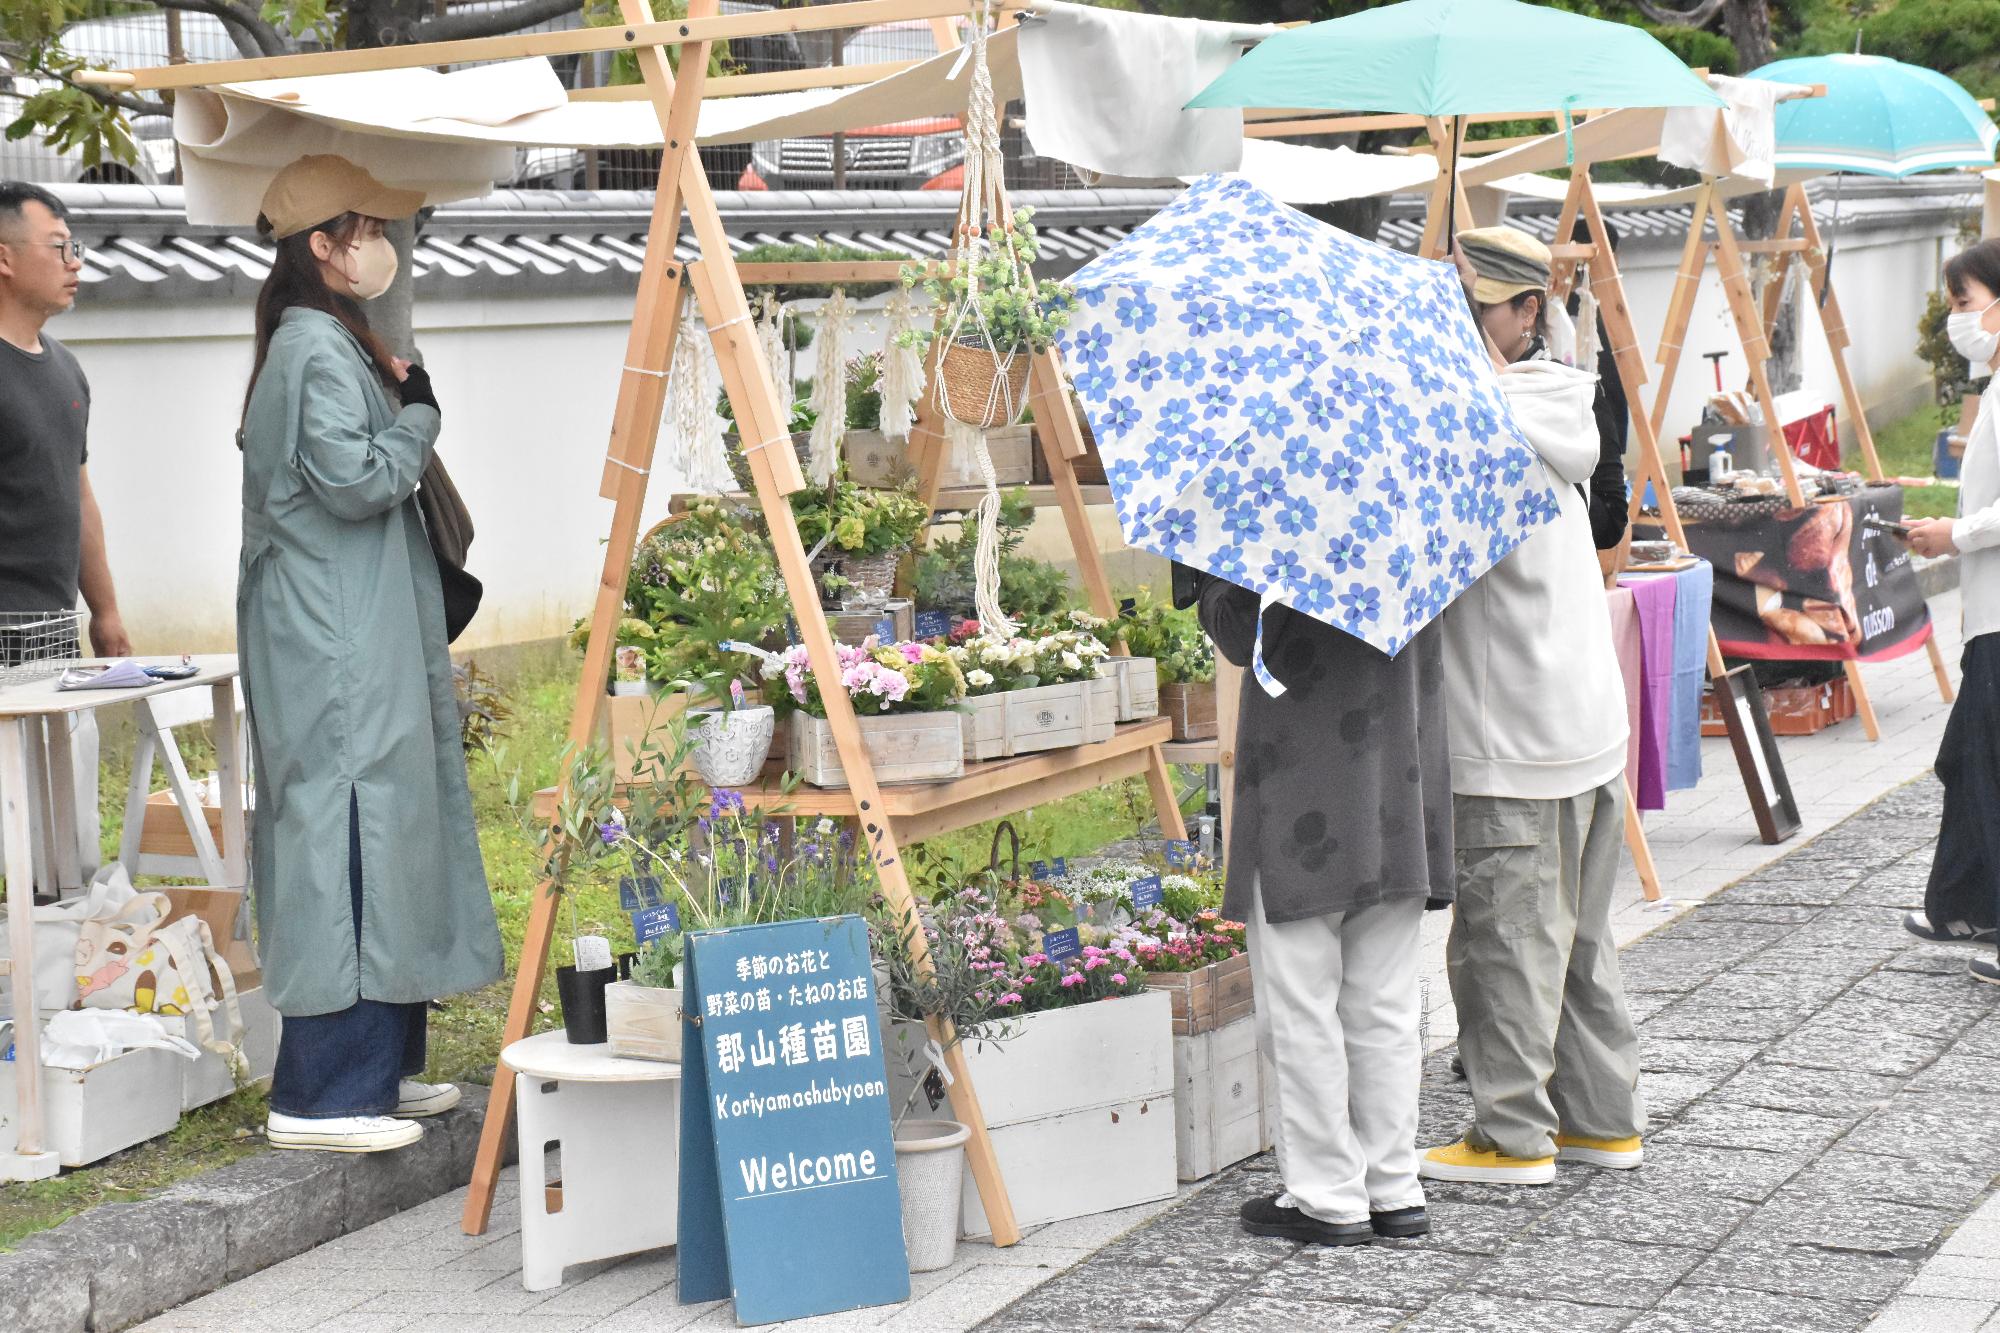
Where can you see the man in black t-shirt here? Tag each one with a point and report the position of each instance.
(51, 534)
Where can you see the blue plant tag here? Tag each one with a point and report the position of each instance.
(1146, 893)
(1060, 866)
(1061, 944)
(1038, 870)
(885, 629)
(649, 923)
(1180, 851)
(637, 891)
(933, 625)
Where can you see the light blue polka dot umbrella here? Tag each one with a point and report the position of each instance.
(1880, 117)
(1301, 412)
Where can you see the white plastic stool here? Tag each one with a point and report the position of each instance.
(617, 1125)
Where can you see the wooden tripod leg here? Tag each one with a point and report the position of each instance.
(1834, 325)
(1680, 306)
(1642, 851)
(1945, 690)
(635, 429)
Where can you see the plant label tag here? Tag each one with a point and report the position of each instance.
(1180, 851)
(1146, 893)
(1061, 944)
(1038, 870)
(649, 923)
(593, 953)
(885, 630)
(1060, 866)
(932, 625)
(637, 891)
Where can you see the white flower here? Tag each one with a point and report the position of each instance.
(978, 679)
(1072, 661)
(825, 825)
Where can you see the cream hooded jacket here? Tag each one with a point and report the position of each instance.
(1537, 700)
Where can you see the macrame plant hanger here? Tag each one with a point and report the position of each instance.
(901, 381)
(695, 428)
(829, 389)
(981, 385)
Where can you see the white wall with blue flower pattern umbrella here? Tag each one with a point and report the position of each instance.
(1299, 411)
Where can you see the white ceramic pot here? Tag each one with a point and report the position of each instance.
(930, 1171)
(730, 748)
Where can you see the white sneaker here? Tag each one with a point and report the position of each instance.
(415, 1100)
(350, 1133)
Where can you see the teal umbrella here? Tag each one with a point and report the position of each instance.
(1880, 117)
(1458, 58)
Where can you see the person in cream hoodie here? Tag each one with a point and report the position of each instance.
(1538, 750)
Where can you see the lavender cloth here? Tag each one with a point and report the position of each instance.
(1654, 600)
(1625, 642)
(1694, 590)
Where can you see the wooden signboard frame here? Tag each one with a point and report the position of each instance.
(1754, 327)
(887, 819)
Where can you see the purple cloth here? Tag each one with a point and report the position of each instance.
(1654, 600)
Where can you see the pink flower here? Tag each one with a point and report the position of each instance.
(1073, 979)
(1035, 959)
(912, 652)
(1011, 997)
(1119, 978)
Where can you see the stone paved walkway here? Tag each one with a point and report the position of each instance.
(1822, 1089)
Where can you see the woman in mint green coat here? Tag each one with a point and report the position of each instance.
(371, 897)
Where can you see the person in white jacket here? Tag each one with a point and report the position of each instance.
(1538, 740)
(1962, 901)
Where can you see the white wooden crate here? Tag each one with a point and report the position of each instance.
(1047, 717)
(1138, 687)
(1225, 1099)
(1079, 1106)
(92, 1113)
(905, 747)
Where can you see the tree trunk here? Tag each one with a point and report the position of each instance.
(392, 23)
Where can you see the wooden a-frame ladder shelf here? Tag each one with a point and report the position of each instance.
(906, 814)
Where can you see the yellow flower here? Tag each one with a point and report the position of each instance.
(850, 532)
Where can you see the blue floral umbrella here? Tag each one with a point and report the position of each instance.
(1301, 412)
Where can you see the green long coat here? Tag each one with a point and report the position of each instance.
(340, 630)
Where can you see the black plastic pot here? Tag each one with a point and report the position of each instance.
(582, 996)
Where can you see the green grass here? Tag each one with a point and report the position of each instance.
(466, 1029)
(1905, 448)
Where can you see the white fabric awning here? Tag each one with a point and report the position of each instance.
(453, 135)
(1300, 175)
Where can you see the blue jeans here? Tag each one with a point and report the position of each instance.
(348, 1063)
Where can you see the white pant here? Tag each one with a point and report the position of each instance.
(1338, 1013)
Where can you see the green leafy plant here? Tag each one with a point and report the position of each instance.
(861, 520)
(1951, 377)
(1029, 588)
(1013, 312)
(1171, 637)
(483, 713)
(864, 392)
(707, 579)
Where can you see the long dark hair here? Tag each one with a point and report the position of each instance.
(295, 280)
(1978, 263)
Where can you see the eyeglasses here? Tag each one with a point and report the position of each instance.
(72, 250)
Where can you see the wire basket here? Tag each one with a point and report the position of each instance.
(37, 644)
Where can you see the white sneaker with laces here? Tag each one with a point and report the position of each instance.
(350, 1133)
(415, 1100)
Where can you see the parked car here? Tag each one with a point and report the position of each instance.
(911, 155)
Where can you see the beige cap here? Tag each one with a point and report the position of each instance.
(1508, 262)
(316, 189)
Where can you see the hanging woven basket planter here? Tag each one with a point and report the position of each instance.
(978, 389)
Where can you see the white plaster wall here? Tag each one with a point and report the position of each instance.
(527, 387)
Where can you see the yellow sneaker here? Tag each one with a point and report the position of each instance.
(1618, 1154)
(1462, 1161)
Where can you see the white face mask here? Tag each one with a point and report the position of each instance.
(374, 267)
(1972, 341)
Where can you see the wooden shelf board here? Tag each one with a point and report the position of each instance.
(1192, 752)
(987, 791)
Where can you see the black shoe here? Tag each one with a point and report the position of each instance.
(1263, 1217)
(1985, 969)
(1948, 932)
(1458, 1066)
(1401, 1223)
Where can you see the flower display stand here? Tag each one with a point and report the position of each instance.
(1080, 1108)
(1225, 1099)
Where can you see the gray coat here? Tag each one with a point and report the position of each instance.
(1343, 783)
(340, 630)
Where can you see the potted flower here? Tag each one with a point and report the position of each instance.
(959, 989)
(942, 574)
(573, 842)
(1175, 640)
(1029, 694)
(1137, 676)
(994, 317)
(860, 532)
(904, 696)
(629, 657)
(729, 739)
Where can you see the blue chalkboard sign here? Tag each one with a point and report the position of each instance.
(649, 923)
(932, 625)
(1061, 944)
(1180, 851)
(637, 891)
(789, 1203)
(1146, 893)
